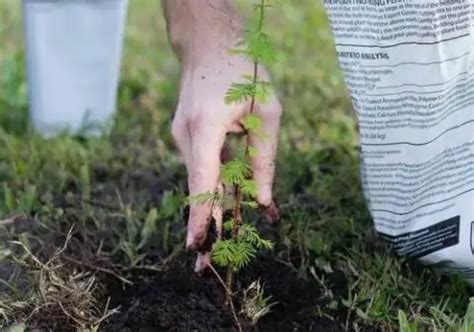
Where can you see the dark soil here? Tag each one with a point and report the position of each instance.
(179, 300)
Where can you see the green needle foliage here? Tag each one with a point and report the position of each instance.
(237, 250)
(235, 172)
(242, 246)
(242, 92)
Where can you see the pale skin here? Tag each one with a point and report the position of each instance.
(202, 32)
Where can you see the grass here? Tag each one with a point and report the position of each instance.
(74, 210)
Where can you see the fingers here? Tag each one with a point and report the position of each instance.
(217, 212)
(207, 139)
(204, 258)
(181, 136)
(203, 261)
(200, 141)
(263, 163)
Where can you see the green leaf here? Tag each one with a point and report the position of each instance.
(132, 225)
(223, 253)
(404, 324)
(8, 198)
(149, 228)
(235, 172)
(244, 252)
(28, 199)
(257, 47)
(239, 93)
(249, 188)
(468, 321)
(260, 48)
(250, 204)
(252, 151)
(252, 123)
(170, 203)
(263, 91)
(249, 233)
(85, 179)
(228, 225)
(233, 253)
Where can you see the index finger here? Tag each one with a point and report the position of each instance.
(207, 140)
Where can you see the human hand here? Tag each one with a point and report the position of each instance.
(200, 126)
(202, 33)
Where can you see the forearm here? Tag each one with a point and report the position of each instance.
(201, 28)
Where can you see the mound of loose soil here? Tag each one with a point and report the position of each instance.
(179, 300)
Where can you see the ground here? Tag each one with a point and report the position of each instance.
(92, 230)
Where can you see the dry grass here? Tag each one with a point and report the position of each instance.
(67, 294)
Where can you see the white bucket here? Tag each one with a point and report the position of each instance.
(73, 55)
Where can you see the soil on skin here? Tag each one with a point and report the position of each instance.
(179, 300)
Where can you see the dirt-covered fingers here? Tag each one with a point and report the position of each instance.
(207, 139)
(204, 256)
(263, 163)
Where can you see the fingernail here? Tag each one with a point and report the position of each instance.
(272, 213)
(202, 262)
(191, 243)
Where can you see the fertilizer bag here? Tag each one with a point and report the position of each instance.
(408, 66)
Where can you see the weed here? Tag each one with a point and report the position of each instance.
(255, 304)
(69, 294)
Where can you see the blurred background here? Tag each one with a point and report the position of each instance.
(307, 66)
(108, 187)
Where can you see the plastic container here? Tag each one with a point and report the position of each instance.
(73, 55)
